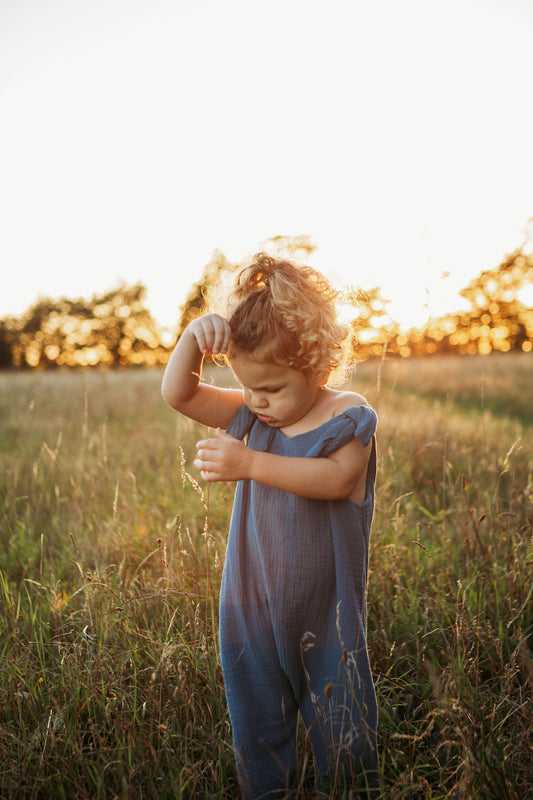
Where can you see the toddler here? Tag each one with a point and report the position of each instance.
(293, 596)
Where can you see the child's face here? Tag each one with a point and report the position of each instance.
(278, 395)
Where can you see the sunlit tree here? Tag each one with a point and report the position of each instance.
(8, 333)
(116, 328)
(111, 329)
(497, 319)
(373, 328)
(503, 283)
(196, 301)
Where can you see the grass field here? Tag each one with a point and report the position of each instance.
(111, 561)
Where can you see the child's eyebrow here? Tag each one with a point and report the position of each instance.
(267, 388)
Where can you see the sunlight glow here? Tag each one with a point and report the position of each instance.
(137, 138)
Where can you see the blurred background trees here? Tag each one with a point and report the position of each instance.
(112, 329)
(116, 329)
(498, 319)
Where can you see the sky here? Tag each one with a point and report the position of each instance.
(139, 136)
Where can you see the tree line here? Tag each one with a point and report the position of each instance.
(112, 329)
(116, 329)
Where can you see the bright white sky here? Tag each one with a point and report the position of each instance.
(137, 136)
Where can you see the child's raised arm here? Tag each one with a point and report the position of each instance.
(182, 388)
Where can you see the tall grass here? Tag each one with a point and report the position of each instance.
(111, 563)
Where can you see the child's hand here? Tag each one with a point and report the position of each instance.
(223, 458)
(211, 333)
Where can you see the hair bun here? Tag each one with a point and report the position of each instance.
(257, 276)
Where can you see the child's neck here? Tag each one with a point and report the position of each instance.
(322, 409)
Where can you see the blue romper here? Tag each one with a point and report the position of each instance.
(293, 616)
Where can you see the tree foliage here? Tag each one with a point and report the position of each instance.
(197, 299)
(116, 328)
(111, 329)
(497, 318)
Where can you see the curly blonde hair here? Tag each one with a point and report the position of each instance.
(285, 313)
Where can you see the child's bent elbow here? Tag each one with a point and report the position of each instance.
(340, 490)
(343, 492)
(171, 397)
(166, 395)
(346, 487)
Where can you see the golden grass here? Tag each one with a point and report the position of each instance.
(111, 565)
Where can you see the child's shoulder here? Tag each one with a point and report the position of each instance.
(340, 401)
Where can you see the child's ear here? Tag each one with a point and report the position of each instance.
(322, 379)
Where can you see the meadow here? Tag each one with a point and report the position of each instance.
(110, 566)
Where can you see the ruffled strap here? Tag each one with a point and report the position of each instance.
(241, 423)
(358, 421)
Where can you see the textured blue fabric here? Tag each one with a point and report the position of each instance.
(293, 615)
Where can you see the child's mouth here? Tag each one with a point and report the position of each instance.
(264, 418)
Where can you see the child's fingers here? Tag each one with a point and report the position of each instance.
(221, 331)
(207, 470)
(212, 333)
(203, 460)
(206, 455)
(199, 334)
(206, 444)
(210, 477)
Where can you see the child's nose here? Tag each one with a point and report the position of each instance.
(259, 401)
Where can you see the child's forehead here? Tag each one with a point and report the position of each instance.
(258, 373)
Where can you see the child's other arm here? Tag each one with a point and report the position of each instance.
(337, 477)
(182, 388)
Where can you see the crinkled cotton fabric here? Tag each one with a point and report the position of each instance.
(293, 616)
